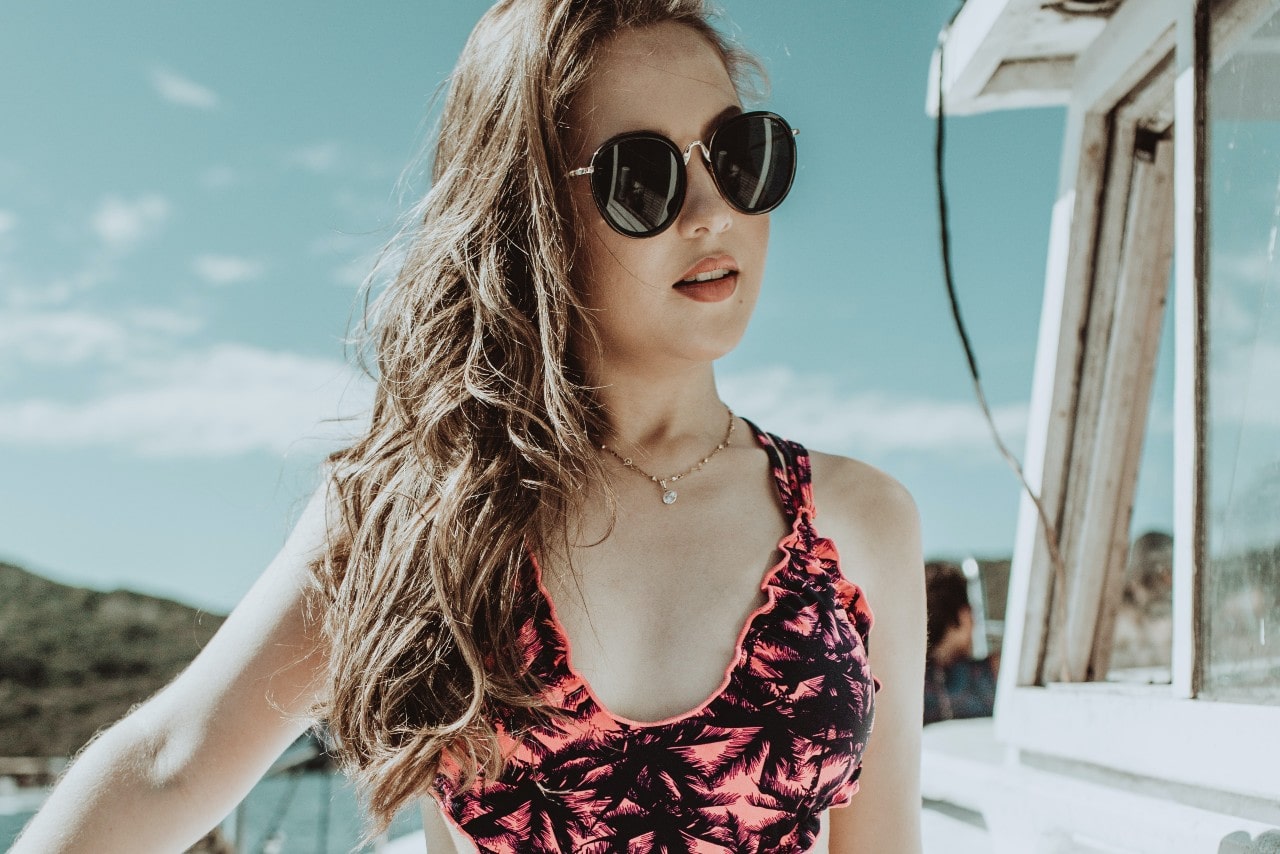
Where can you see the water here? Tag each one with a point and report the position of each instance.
(314, 813)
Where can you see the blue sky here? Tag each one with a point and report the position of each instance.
(190, 194)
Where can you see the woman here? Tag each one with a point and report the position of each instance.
(531, 597)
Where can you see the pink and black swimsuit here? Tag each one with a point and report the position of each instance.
(750, 770)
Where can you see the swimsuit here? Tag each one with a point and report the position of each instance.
(749, 770)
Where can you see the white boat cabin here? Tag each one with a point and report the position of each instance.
(1138, 707)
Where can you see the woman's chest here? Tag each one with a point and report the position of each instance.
(652, 625)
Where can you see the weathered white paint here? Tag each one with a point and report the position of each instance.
(1188, 375)
(971, 54)
(1145, 730)
(1081, 382)
(1138, 36)
(1143, 279)
(1004, 54)
(1029, 808)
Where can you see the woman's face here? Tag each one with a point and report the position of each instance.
(669, 80)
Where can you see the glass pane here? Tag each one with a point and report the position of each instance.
(1142, 639)
(1241, 604)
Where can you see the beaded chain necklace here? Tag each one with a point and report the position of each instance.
(669, 495)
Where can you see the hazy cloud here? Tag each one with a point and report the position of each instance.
(353, 272)
(358, 255)
(231, 399)
(165, 321)
(320, 158)
(182, 91)
(1242, 378)
(219, 177)
(8, 221)
(61, 338)
(1244, 333)
(814, 410)
(121, 224)
(226, 269)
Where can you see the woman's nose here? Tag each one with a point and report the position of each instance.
(705, 211)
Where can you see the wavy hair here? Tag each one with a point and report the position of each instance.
(482, 426)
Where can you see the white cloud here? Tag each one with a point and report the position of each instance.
(320, 158)
(383, 267)
(8, 221)
(59, 337)
(1243, 383)
(122, 225)
(813, 410)
(229, 400)
(27, 296)
(226, 269)
(219, 177)
(1244, 339)
(165, 321)
(24, 292)
(358, 257)
(354, 271)
(179, 90)
(338, 243)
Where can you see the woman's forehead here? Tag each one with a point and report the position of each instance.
(665, 78)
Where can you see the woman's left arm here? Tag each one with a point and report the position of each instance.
(876, 529)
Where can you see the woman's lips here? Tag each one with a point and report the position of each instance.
(715, 290)
(711, 264)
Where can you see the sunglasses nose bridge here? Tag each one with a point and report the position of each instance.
(706, 152)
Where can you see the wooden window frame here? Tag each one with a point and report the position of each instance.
(1153, 54)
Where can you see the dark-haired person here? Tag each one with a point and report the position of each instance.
(559, 594)
(956, 684)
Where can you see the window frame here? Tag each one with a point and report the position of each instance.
(1153, 54)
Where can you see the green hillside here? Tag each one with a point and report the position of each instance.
(74, 660)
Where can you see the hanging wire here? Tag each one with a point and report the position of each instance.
(1050, 531)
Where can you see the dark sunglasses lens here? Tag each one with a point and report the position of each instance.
(637, 186)
(754, 158)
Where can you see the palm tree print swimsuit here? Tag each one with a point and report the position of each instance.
(750, 770)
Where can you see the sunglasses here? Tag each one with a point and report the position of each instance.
(639, 179)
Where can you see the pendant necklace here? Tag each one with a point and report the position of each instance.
(666, 484)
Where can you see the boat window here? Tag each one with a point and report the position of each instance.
(1240, 601)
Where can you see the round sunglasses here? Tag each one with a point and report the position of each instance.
(639, 179)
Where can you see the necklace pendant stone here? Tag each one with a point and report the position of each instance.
(669, 497)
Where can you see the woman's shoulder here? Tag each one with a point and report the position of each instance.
(849, 488)
(870, 516)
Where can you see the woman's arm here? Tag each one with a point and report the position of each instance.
(160, 778)
(874, 523)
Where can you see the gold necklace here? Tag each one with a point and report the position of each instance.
(669, 495)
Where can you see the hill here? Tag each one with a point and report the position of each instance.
(74, 660)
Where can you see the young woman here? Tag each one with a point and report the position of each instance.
(559, 594)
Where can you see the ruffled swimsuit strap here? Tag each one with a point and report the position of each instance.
(791, 471)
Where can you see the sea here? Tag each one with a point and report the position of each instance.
(315, 812)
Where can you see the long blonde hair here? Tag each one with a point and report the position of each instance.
(481, 433)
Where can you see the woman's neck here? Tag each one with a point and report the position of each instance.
(666, 419)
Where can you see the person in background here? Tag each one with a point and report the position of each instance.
(956, 685)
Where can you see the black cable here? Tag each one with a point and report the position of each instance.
(944, 216)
